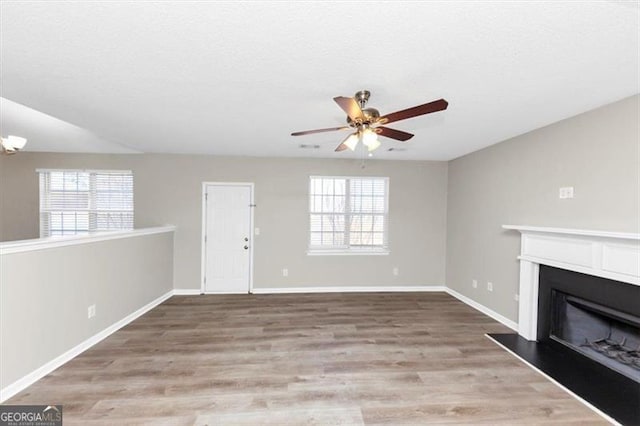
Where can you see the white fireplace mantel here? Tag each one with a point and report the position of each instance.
(612, 255)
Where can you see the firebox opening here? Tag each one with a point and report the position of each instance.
(604, 334)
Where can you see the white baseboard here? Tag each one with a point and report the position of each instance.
(186, 291)
(493, 314)
(281, 290)
(39, 373)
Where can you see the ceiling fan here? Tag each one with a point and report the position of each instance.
(367, 123)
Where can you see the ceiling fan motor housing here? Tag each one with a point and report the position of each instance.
(371, 115)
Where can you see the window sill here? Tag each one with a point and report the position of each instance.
(381, 252)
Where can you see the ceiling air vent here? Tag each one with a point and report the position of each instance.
(307, 146)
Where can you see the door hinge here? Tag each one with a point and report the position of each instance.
(252, 205)
(205, 238)
(205, 279)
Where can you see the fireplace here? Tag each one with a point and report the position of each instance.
(579, 315)
(595, 317)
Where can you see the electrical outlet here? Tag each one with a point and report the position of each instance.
(256, 231)
(516, 297)
(474, 283)
(489, 286)
(91, 311)
(396, 271)
(285, 272)
(565, 192)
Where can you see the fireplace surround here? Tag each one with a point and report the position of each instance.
(610, 255)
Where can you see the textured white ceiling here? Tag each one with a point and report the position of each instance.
(236, 78)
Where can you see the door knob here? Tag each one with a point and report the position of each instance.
(246, 239)
(246, 247)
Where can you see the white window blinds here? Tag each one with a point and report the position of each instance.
(82, 201)
(348, 213)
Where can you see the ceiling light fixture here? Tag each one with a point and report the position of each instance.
(367, 124)
(352, 141)
(12, 144)
(370, 139)
(368, 136)
(374, 145)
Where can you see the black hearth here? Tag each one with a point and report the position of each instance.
(588, 339)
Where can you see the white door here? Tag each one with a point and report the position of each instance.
(227, 239)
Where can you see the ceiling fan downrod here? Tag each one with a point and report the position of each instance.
(362, 97)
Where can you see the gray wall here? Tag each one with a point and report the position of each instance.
(43, 308)
(18, 207)
(168, 191)
(517, 181)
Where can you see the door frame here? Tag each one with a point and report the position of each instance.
(203, 259)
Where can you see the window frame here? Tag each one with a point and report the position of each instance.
(348, 250)
(92, 210)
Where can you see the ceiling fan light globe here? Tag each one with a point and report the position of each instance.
(13, 143)
(18, 142)
(374, 145)
(351, 141)
(369, 137)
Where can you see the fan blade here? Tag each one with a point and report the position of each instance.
(430, 107)
(309, 132)
(393, 133)
(351, 107)
(341, 147)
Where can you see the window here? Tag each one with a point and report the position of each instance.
(83, 201)
(348, 214)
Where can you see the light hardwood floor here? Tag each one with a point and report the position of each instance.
(394, 358)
